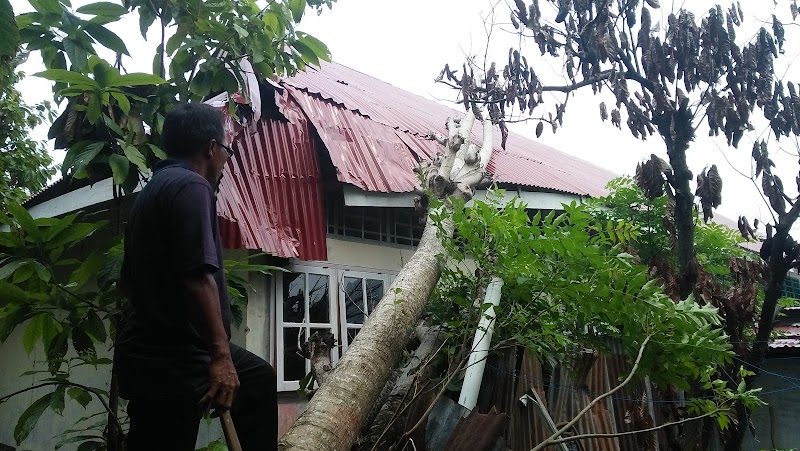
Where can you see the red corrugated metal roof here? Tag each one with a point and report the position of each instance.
(353, 98)
(365, 153)
(271, 194)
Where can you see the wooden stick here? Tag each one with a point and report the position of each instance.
(231, 439)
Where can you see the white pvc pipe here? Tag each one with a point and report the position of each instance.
(473, 375)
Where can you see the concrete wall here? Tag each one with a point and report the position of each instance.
(776, 423)
(367, 254)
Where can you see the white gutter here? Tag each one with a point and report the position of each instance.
(473, 375)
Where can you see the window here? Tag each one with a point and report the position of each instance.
(305, 305)
(320, 299)
(359, 294)
(389, 225)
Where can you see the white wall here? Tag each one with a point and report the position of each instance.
(367, 254)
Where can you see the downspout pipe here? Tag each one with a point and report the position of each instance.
(473, 375)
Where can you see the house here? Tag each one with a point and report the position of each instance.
(323, 182)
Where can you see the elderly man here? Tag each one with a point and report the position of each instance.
(173, 356)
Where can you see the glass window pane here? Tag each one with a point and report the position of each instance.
(294, 365)
(294, 304)
(351, 334)
(374, 293)
(354, 300)
(318, 298)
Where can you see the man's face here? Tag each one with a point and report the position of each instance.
(222, 153)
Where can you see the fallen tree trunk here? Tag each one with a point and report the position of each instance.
(333, 417)
(387, 428)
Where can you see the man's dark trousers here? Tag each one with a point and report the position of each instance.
(173, 426)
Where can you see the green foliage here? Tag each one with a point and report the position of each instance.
(9, 37)
(112, 123)
(238, 285)
(724, 397)
(55, 298)
(715, 243)
(25, 165)
(568, 286)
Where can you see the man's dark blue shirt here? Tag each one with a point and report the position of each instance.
(172, 231)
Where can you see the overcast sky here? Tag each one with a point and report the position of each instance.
(406, 43)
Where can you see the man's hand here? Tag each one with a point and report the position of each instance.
(224, 384)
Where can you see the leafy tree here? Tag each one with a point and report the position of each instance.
(111, 127)
(569, 286)
(26, 165)
(666, 80)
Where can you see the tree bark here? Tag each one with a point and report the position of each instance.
(333, 417)
(676, 129)
(430, 339)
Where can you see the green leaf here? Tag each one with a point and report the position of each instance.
(9, 34)
(88, 268)
(76, 52)
(82, 342)
(33, 333)
(57, 350)
(94, 327)
(241, 31)
(24, 219)
(146, 18)
(80, 155)
(27, 421)
(157, 152)
(297, 7)
(11, 315)
(306, 52)
(137, 79)
(315, 45)
(82, 396)
(94, 109)
(9, 268)
(66, 76)
(103, 9)
(93, 445)
(123, 101)
(75, 233)
(229, 81)
(119, 168)
(57, 400)
(106, 38)
(42, 272)
(136, 158)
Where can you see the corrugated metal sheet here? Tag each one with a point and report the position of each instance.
(790, 338)
(271, 193)
(365, 153)
(523, 162)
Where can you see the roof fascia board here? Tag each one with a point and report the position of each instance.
(355, 197)
(87, 196)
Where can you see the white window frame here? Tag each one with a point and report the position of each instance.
(332, 325)
(338, 319)
(341, 274)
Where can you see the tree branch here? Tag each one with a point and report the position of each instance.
(586, 82)
(91, 390)
(550, 440)
(639, 431)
